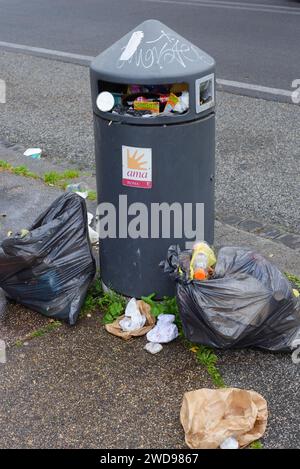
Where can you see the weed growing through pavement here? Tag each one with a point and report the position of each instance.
(51, 178)
(92, 298)
(92, 195)
(60, 179)
(256, 445)
(51, 326)
(18, 170)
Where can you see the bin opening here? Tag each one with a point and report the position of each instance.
(143, 100)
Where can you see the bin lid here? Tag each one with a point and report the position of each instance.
(152, 53)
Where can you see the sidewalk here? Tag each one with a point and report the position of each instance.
(80, 387)
(257, 156)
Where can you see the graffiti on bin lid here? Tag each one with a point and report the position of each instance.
(160, 47)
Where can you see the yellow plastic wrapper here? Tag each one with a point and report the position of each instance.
(202, 247)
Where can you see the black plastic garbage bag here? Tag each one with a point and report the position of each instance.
(50, 269)
(248, 303)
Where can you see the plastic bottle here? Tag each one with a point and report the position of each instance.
(200, 266)
(202, 259)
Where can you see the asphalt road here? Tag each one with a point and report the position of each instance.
(253, 42)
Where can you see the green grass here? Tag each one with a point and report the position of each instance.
(5, 165)
(52, 178)
(18, 343)
(92, 195)
(19, 170)
(51, 326)
(92, 298)
(60, 179)
(24, 171)
(70, 174)
(256, 445)
(207, 358)
(113, 305)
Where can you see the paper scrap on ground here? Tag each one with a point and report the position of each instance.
(211, 416)
(133, 320)
(153, 347)
(115, 328)
(34, 153)
(165, 330)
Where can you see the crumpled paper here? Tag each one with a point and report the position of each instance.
(115, 328)
(133, 318)
(209, 416)
(164, 331)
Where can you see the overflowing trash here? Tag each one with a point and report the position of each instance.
(34, 153)
(227, 418)
(50, 267)
(164, 331)
(145, 100)
(247, 301)
(136, 321)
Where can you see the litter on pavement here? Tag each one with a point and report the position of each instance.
(34, 153)
(246, 301)
(213, 418)
(153, 347)
(79, 188)
(145, 310)
(49, 268)
(165, 330)
(134, 319)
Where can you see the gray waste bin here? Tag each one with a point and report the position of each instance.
(153, 95)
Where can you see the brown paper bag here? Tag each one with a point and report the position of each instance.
(115, 329)
(209, 416)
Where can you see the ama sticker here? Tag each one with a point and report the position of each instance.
(137, 167)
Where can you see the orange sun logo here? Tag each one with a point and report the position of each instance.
(134, 161)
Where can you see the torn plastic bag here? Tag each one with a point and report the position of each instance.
(50, 269)
(248, 303)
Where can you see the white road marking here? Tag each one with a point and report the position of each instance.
(233, 6)
(86, 59)
(40, 50)
(250, 87)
